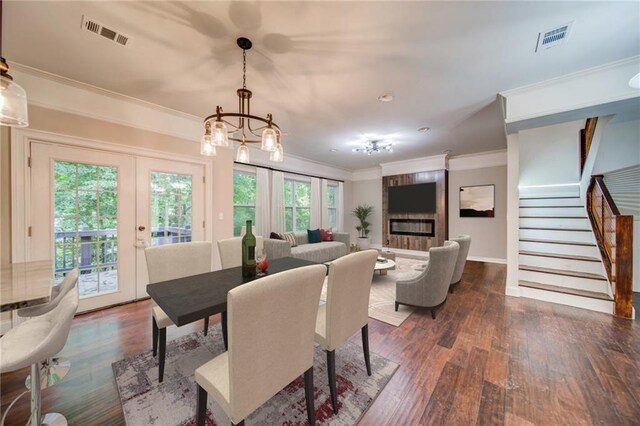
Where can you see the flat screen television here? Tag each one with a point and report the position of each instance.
(418, 198)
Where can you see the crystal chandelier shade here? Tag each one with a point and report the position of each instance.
(375, 147)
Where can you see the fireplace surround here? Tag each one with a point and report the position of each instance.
(415, 227)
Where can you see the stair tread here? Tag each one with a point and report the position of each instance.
(550, 207)
(564, 272)
(565, 290)
(553, 217)
(548, 198)
(571, 243)
(555, 229)
(559, 256)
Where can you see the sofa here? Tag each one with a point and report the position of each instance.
(321, 252)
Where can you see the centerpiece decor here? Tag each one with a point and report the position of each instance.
(248, 253)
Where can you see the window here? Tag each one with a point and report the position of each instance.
(244, 200)
(297, 205)
(332, 205)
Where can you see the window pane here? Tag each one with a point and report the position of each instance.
(87, 177)
(240, 216)
(332, 218)
(170, 207)
(244, 189)
(302, 218)
(303, 194)
(332, 196)
(288, 219)
(288, 193)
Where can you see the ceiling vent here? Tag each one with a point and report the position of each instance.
(93, 26)
(553, 37)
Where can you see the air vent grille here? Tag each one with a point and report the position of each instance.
(97, 28)
(553, 37)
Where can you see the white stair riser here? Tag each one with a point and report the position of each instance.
(560, 249)
(551, 202)
(568, 299)
(562, 264)
(540, 222)
(568, 236)
(553, 211)
(564, 281)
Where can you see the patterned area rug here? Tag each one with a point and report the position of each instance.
(173, 402)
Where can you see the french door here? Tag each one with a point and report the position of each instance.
(96, 211)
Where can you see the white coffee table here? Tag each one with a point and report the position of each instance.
(383, 267)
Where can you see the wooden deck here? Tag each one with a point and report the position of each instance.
(486, 359)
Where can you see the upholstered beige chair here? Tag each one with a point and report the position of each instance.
(346, 310)
(231, 251)
(271, 326)
(58, 292)
(464, 241)
(169, 262)
(429, 289)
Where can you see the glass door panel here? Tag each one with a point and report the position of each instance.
(171, 203)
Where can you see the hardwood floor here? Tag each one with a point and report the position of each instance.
(486, 359)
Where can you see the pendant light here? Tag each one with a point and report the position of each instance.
(13, 98)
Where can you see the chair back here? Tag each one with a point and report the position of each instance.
(442, 261)
(271, 327)
(464, 241)
(348, 289)
(172, 261)
(38, 338)
(231, 251)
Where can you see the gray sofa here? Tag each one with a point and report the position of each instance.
(324, 251)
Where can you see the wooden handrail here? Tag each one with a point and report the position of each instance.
(614, 234)
(586, 137)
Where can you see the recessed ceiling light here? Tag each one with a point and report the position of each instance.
(387, 97)
(333, 150)
(423, 129)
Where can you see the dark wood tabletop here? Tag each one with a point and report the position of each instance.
(193, 298)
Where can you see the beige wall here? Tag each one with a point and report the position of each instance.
(488, 235)
(87, 128)
(369, 192)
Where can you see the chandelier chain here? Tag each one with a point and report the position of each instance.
(244, 69)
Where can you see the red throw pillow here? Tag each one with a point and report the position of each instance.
(326, 234)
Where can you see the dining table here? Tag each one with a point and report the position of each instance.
(196, 297)
(25, 284)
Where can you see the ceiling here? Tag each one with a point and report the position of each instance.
(319, 67)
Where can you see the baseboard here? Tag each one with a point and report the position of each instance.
(487, 259)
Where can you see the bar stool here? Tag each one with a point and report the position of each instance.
(33, 341)
(53, 370)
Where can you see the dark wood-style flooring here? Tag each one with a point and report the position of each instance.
(486, 359)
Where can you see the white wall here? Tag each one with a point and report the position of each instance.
(369, 192)
(488, 235)
(549, 155)
(619, 147)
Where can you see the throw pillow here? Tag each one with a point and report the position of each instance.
(314, 236)
(276, 236)
(291, 238)
(326, 234)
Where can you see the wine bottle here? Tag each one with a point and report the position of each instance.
(248, 253)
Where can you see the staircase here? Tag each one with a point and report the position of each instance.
(559, 260)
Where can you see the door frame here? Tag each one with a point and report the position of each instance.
(21, 183)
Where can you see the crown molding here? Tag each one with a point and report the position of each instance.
(415, 165)
(479, 160)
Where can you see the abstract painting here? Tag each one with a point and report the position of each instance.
(477, 201)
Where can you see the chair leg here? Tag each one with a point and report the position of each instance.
(331, 369)
(308, 396)
(206, 325)
(365, 348)
(238, 424)
(154, 335)
(224, 330)
(201, 411)
(397, 305)
(162, 354)
(36, 395)
(451, 289)
(433, 313)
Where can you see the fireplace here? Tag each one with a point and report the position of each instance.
(415, 227)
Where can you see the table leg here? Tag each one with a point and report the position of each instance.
(224, 330)
(383, 272)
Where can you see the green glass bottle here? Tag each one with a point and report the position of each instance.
(248, 253)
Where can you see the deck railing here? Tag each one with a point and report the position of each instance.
(614, 234)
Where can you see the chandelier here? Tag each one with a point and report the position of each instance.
(222, 127)
(375, 147)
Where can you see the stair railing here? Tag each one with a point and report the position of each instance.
(586, 137)
(614, 234)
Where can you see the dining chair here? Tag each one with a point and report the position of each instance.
(230, 251)
(33, 341)
(464, 241)
(346, 310)
(271, 327)
(429, 288)
(169, 262)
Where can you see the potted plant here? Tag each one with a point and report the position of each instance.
(362, 213)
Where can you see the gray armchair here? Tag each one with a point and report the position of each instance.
(464, 241)
(429, 289)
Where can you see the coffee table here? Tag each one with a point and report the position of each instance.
(383, 267)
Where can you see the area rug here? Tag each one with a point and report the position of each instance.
(383, 292)
(173, 402)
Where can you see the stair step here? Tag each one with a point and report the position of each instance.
(549, 198)
(550, 207)
(575, 274)
(552, 211)
(555, 229)
(559, 256)
(565, 290)
(571, 243)
(552, 217)
(549, 201)
(566, 235)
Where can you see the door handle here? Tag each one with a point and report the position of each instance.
(141, 228)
